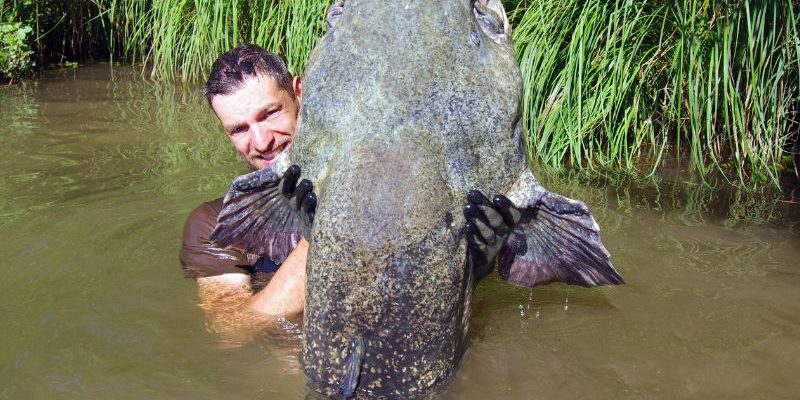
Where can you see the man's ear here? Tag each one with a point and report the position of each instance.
(297, 86)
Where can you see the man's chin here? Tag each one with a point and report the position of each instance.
(258, 164)
(253, 164)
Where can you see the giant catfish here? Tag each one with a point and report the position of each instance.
(407, 106)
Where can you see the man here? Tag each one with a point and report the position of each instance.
(257, 101)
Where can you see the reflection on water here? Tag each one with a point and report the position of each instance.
(82, 133)
(101, 168)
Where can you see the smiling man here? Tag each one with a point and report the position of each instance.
(257, 101)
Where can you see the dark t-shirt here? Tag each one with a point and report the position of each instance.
(201, 258)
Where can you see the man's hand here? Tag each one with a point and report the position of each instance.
(301, 196)
(487, 226)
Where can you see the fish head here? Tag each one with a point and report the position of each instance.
(443, 72)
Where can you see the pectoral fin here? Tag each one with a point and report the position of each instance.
(258, 217)
(352, 367)
(556, 240)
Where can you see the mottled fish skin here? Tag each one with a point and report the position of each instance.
(407, 105)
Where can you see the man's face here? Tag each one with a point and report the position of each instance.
(260, 119)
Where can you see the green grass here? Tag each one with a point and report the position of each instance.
(180, 39)
(731, 92)
(585, 77)
(613, 85)
(609, 85)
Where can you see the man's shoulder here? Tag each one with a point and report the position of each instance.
(205, 213)
(199, 256)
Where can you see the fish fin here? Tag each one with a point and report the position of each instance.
(556, 240)
(257, 218)
(352, 367)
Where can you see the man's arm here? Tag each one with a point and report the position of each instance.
(238, 315)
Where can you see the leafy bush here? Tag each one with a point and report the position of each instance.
(15, 54)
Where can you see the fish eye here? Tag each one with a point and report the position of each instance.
(491, 18)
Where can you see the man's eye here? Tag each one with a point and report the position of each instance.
(266, 114)
(238, 129)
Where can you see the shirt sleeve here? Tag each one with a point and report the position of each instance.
(201, 258)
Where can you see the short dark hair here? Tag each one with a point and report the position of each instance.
(248, 60)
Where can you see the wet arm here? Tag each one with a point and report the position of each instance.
(238, 315)
(285, 294)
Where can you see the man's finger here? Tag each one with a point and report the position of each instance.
(475, 196)
(303, 188)
(494, 219)
(290, 180)
(473, 213)
(486, 232)
(511, 215)
(309, 203)
(472, 235)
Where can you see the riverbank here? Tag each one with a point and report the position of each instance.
(610, 85)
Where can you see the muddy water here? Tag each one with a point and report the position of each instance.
(99, 169)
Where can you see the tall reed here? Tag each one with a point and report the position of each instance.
(613, 84)
(586, 74)
(732, 87)
(291, 28)
(178, 39)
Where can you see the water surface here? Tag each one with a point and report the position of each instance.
(100, 168)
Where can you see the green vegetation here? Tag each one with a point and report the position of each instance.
(15, 51)
(61, 31)
(610, 85)
(179, 39)
(15, 55)
(613, 84)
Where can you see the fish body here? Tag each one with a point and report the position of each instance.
(407, 106)
(411, 114)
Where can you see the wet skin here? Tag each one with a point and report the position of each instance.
(260, 118)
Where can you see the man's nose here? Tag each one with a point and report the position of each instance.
(263, 139)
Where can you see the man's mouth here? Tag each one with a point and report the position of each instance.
(269, 158)
(263, 160)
